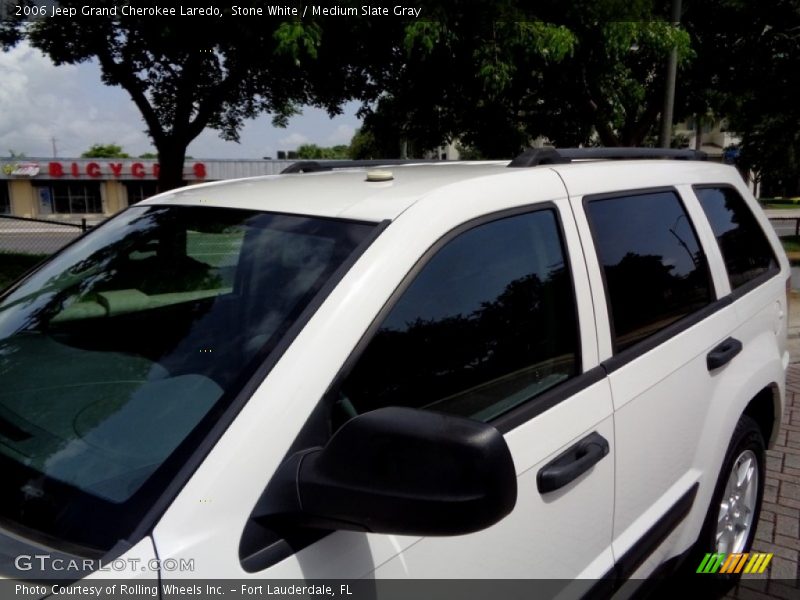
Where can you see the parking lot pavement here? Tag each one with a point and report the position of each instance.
(786, 221)
(35, 237)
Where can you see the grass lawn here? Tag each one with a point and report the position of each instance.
(781, 206)
(791, 243)
(780, 202)
(13, 265)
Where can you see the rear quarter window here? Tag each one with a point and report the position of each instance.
(744, 247)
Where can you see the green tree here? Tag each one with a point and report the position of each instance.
(105, 151)
(468, 153)
(746, 70)
(362, 145)
(617, 75)
(461, 73)
(187, 74)
(369, 143)
(496, 75)
(312, 151)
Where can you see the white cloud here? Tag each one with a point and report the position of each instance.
(39, 101)
(291, 141)
(341, 135)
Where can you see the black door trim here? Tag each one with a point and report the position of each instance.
(613, 580)
(650, 541)
(525, 412)
(631, 353)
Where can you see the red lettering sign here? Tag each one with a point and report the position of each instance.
(115, 169)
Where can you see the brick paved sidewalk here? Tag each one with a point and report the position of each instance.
(779, 528)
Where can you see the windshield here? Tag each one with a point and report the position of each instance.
(119, 354)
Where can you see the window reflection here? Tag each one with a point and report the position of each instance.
(655, 271)
(487, 324)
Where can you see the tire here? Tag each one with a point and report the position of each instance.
(732, 519)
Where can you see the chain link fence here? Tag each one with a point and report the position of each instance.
(26, 242)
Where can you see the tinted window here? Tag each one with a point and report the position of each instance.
(139, 190)
(655, 272)
(119, 355)
(487, 324)
(71, 197)
(745, 249)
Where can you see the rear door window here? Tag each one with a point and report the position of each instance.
(654, 270)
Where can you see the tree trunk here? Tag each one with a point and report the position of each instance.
(171, 155)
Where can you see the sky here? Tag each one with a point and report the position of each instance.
(39, 101)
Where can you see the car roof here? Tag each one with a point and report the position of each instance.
(343, 193)
(346, 193)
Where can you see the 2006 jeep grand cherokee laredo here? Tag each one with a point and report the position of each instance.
(557, 367)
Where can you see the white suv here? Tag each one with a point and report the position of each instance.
(555, 368)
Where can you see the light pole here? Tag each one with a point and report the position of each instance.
(669, 92)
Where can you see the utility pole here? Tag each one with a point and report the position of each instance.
(669, 91)
(53, 141)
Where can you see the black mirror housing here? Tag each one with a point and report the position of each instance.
(402, 471)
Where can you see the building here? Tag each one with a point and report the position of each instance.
(715, 137)
(79, 188)
(447, 151)
(72, 189)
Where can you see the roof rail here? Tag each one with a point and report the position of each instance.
(315, 166)
(553, 156)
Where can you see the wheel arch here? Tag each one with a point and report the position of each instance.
(764, 409)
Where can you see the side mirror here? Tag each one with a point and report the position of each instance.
(402, 471)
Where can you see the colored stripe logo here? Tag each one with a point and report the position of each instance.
(753, 562)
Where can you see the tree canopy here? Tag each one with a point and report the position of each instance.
(490, 74)
(105, 151)
(747, 60)
(186, 74)
(496, 75)
(312, 151)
